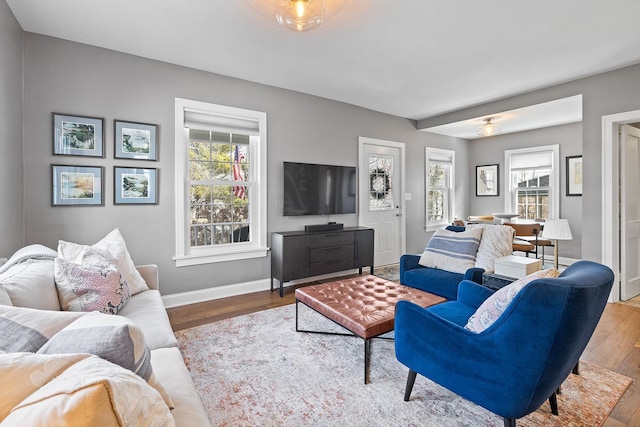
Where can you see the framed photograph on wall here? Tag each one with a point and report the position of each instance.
(574, 175)
(78, 136)
(77, 185)
(135, 186)
(135, 141)
(487, 180)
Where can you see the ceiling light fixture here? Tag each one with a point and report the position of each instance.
(300, 15)
(488, 128)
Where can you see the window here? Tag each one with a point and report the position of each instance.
(220, 183)
(440, 187)
(533, 180)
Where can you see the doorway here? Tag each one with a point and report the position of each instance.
(381, 204)
(620, 219)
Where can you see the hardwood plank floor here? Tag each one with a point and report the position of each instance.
(615, 344)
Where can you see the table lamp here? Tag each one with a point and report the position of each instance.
(556, 229)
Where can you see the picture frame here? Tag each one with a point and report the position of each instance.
(574, 175)
(77, 185)
(138, 141)
(487, 180)
(78, 135)
(135, 186)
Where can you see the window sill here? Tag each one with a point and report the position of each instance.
(209, 257)
(437, 227)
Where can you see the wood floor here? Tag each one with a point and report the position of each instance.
(615, 344)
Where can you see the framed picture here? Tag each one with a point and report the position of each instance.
(78, 136)
(77, 185)
(574, 175)
(487, 180)
(135, 186)
(135, 141)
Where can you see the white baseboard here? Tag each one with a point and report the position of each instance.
(202, 295)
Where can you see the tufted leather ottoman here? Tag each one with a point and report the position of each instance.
(364, 305)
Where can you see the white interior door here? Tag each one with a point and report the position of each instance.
(629, 212)
(381, 201)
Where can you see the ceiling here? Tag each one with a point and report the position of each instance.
(412, 58)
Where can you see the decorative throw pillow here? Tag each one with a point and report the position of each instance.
(94, 286)
(4, 296)
(89, 391)
(114, 249)
(113, 338)
(31, 284)
(28, 329)
(496, 304)
(497, 242)
(452, 251)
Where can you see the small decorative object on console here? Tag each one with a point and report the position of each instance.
(517, 266)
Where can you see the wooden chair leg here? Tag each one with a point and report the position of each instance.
(509, 422)
(576, 369)
(553, 402)
(411, 379)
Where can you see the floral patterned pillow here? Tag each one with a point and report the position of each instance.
(496, 304)
(94, 286)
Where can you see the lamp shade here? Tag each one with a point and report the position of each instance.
(489, 128)
(300, 15)
(557, 229)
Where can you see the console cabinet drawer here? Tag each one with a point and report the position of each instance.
(317, 268)
(332, 253)
(331, 239)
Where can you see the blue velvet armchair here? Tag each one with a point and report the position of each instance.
(517, 363)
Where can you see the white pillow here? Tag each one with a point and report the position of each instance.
(452, 251)
(497, 242)
(4, 296)
(114, 249)
(493, 307)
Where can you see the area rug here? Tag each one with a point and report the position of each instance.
(255, 370)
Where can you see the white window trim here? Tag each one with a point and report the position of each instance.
(451, 154)
(185, 255)
(554, 180)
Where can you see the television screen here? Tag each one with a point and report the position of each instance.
(311, 189)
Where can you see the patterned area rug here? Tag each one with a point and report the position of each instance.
(255, 370)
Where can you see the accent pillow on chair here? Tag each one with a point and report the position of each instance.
(496, 304)
(452, 251)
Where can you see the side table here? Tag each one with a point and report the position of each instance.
(496, 281)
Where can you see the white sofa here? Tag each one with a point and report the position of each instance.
(31, 284)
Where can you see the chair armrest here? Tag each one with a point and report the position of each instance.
(474, 274)
(408, 262)
(473, 294)
(149, 273)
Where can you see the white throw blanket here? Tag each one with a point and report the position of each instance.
(27, 253)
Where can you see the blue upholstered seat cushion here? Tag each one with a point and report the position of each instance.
(439, 282)
(452, 251)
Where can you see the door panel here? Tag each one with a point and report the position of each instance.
(629, 212)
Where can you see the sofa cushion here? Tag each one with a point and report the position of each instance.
(114, 249)
(171, 371)
(497, 242)
(31, 284)
(90, 391)
(452, 251)
(493, 307)
(148, 312)
(91, 286)
(27, 329)
(439, 282)
(5, 299)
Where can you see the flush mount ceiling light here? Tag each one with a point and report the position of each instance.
(300, 15)
(488, 128)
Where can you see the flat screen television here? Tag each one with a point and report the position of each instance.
(311, 189)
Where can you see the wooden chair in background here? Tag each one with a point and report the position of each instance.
(531, 233)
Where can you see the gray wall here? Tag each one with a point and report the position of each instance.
(11, 190)
(72, 78)
(608, 93)
(491, 150)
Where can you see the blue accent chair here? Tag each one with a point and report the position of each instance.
(517, 363)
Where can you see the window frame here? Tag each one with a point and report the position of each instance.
(510, 201)
(257, 247)
(440, 156)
